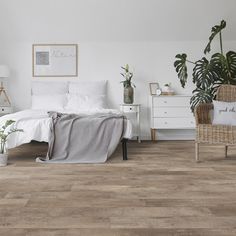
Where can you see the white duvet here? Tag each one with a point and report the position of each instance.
(36, 125)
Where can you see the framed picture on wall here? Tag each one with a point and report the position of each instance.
(55, 60)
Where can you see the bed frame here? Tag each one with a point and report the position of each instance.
(124, 149)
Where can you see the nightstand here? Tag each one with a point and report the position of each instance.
(133, 109)
(5, 110)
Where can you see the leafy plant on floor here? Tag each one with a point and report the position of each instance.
(208, 74)
(4, 133)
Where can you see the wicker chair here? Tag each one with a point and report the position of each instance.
(214, 134)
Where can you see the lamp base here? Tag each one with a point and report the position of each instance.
(4, 94)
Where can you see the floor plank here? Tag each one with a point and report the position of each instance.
(160, 190)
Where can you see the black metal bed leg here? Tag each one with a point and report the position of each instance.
(124, 149)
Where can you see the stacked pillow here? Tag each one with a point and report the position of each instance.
(49, 95)
(224, 113)
(85, 95)
(72, 96)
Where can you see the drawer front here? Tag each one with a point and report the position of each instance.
(128, 109)
(174, 123)
(5, 110)
(171, 101)
(172, 112)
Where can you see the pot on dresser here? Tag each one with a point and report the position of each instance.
(170, 112)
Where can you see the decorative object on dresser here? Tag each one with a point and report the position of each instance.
(208, 74)
(210, 133)
(154, 89)
(55, 60)
(170, 112)
(4, 133)
(133, 109)
(167, 90)
(4, 73)
(128, 85)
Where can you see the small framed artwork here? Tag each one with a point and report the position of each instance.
(55, 60)
(153, 88)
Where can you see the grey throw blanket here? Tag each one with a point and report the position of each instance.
(83, 139)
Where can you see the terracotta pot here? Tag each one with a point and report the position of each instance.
(128, 95)
(3, 159)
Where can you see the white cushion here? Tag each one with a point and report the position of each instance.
(78, 102)
(41, 88)
(224, 113)
(88, 87)
(55, 102)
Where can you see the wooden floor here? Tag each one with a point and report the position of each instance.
(160, 190)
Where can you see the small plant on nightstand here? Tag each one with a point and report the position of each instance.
(4, 133)
(128, 85)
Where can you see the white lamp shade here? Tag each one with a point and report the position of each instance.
(4, 71)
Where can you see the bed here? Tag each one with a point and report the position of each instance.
(83, 98)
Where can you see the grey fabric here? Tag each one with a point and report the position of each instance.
(83, 139)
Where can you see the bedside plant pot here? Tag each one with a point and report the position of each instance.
(3, 159)
(128, 95)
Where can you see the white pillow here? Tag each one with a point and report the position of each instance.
(49, 102)
(82, 102)
(49, 87)
(224, 113)
(88, 88)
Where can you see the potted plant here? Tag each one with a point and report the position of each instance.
(208, 74)
(128, 85)
(5, 131)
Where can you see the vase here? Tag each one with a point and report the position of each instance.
(128, 95)
(3, 159)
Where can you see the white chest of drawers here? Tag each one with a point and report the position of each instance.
(170, 112)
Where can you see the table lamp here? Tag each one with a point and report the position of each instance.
(4, 73)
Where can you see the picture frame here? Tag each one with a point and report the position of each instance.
(153, 87)
(55, 60)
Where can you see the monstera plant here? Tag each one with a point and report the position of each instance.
(208, 74)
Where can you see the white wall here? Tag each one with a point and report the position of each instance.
(110, 34)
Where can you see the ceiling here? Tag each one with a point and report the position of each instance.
(115, 20)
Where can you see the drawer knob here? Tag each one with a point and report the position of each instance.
(165, 112)
(165, 101)
(166, 122)
(2, 109)
(130, 108)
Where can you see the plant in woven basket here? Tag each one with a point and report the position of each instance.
(208, 73)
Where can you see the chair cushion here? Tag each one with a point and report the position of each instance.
(224, 113)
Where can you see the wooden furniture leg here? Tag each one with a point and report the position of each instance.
(197, 151)
(153, 135)
(226, 151)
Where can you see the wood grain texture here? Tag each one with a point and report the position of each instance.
(160, 190)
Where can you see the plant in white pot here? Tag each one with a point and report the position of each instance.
(5, 131)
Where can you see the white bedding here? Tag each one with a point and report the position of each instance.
(36, 125)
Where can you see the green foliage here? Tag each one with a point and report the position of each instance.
(5, 131)
(208, 74)
(127, 76)
(181, 68)
(214, 31)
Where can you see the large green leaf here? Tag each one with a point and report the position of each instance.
(214, 31)
(205, 74)
(181, 68)
(201, 96)
(226, 65)
(231, 64)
